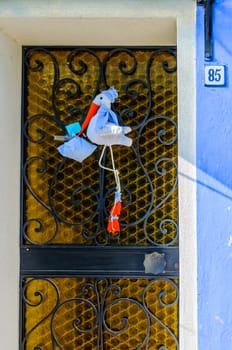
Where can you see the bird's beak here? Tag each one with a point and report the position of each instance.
(91, 113)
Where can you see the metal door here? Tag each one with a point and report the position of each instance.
(81, 287)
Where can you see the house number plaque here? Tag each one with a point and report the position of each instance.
(215, 75)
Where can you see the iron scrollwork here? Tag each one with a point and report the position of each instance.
(73, 199)
(100, 313)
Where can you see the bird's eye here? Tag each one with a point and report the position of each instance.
(101, 98)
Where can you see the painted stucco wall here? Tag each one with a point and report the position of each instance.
(214, 186)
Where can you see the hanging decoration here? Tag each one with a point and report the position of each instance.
(101, 126)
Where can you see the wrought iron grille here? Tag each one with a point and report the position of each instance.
(81, 287)
(67, 202)
(72, 314)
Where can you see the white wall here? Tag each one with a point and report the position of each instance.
(10, 111)
(84, 22)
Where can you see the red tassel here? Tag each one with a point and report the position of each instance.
(116, 209)
(113, 225)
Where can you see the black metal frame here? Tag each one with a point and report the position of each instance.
(102, 261)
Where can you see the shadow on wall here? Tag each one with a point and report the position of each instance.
(214, 250)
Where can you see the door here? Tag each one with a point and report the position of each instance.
(81, 286)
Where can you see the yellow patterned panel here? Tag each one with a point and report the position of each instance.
(84, 314)
(64, 203)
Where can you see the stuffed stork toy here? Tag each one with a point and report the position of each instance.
(102, 128)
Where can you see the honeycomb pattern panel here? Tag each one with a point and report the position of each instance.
(67, 202)
(71, 313)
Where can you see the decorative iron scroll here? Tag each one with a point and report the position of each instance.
(66, 202)
(99, 314)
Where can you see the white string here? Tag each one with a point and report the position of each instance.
(115, 171)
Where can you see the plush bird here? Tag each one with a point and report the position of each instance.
(102, 127)
(102, 123)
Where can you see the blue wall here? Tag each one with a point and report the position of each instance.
(214, 186)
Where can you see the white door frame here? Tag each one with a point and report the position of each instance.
(84, 22)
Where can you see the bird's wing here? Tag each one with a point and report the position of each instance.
(105, 115)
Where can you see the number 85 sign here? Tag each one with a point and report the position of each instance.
(214, 75)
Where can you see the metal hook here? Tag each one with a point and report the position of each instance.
(208, 24)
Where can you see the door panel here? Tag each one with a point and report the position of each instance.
(83, 288)
(72, 313)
